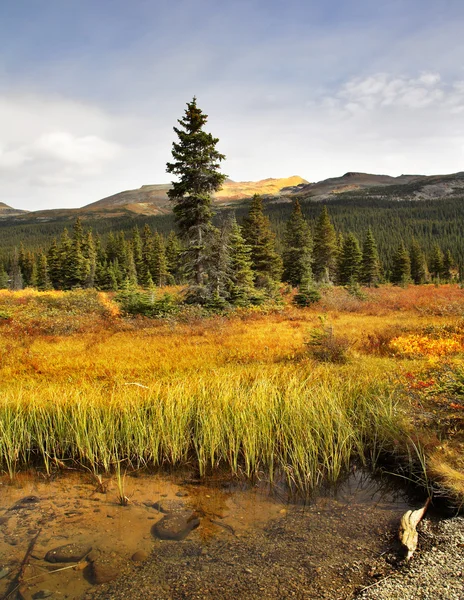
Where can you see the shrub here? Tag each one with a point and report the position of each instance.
(138, 302)
(325, 346)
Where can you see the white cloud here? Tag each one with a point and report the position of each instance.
(89, 150)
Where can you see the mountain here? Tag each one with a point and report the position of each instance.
(7, 211)
(153, 199)
(404, 187)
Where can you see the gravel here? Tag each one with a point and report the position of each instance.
(435, 572)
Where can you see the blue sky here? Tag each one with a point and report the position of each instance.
(90, 90)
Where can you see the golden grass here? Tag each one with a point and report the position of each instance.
(239, 391)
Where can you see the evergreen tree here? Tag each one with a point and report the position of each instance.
(3, 278)
(241, 287)
(173, 258)
(418, 263)
(90, 259)
(54, 265)
(370, 267)
(448, 266)
(42, 279)
(131, 275)
(325, 248)
(298, 247)
(196, 163)
(350, 261)
(218, 269)
(145, 277)
(158, 266)
(16, 277)
(401, 268)
(266, 263)
(137, 255)
(436, 262)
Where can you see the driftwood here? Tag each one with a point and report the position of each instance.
(408, 532)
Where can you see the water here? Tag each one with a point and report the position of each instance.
(252, 538)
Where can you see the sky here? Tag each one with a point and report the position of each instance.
(90, 90)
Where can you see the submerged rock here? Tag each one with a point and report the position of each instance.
(176, 526)
(139, 556)
(103, 572)
(68, 553)
(169, 506)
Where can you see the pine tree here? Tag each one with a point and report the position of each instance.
(158, 264)
(42, 279)
(90, 257)
(325, 248)
(448, 265)
(241, 287)
(145, 277)
(418, 263)
(401, 267)
(16, 277)
(54, 265)
(173, 258)
(218, 269)
(436, 262)
(350, 261)
(197, 163)
(137, 254)
(298, 248)
(266, 263)
(3, 278)
(370, 267)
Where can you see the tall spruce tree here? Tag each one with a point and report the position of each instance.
(370, 266)
(241, 286)
(350, 259)
(418, 263)
(42, 277)
(448, 266)
(196, 163)
(325, 248)
(401, 266)
(158, 263)
(436, 262)
(173, 258)
(297, 248)
(266, 263)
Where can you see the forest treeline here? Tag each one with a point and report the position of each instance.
(246, 262)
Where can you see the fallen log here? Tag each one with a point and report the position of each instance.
(408, 532)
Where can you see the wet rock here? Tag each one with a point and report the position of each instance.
(68, 553)
(175, 526)
(139, 556)
(4, 573)
(42, 594)
(169, 506)
(181, 494)
(103, 572)
(27, 503)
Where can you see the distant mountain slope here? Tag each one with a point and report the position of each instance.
(404, 187)
(7, 211)
(153, 199)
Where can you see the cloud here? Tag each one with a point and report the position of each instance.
(89, 150)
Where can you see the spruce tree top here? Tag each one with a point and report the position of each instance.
(196, 160)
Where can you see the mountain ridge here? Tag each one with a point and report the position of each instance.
(152, 199)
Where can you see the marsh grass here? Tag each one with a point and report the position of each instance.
(308, 426)
(84, 387)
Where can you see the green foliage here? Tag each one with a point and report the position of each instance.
(147, 303)
(418, 263)
(241, 287)
(196, 163)
(307, 293)
(325, 248)
(297, 248)
(266, 263)
(349, 261)
(323, 345)
(401, 268)
(370, 266)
